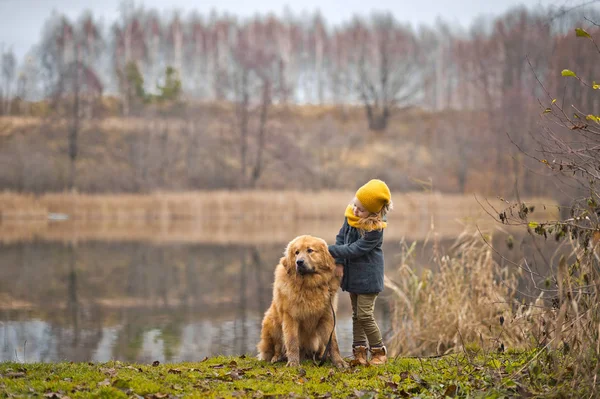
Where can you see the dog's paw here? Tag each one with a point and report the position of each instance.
(293, 363)
(341, 364)
(275, 359)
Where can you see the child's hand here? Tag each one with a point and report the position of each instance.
(339, 270)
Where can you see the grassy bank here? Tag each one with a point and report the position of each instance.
(306, 148)
(517, 374)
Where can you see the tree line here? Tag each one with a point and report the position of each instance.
(478, 88)
(374, 60)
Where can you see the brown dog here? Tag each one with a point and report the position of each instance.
(300, 319)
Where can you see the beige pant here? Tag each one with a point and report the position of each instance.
(364, 327)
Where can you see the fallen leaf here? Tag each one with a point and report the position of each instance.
(234, 375)
(104, 383)
(258, 394)
(365, 394)
(202, 385)
(155, 363)
(392, 385)
(243, 357)
(403, 375)
(301, 372)
(174, 371)
(157, 395)
(177, 387)
(450, 391)
(16, 374)
(523, 392)
(233, 363)
(205, 359)
(111, 372)
(218, 366)
(79, 388)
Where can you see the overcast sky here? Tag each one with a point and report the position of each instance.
(21, 20)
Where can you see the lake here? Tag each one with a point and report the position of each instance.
(170, 292)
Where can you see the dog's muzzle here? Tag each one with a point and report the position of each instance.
(302, 268)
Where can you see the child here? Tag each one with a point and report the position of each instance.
(358, 255)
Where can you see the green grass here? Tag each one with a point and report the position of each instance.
(521, 374)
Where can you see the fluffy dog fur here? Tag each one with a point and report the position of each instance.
(300, 320)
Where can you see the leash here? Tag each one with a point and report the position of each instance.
(328, 347)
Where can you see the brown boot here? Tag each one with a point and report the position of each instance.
(360, 355)
(378, 356)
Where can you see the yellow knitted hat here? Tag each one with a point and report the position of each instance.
(374, 195)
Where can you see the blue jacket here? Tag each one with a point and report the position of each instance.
(362, 258)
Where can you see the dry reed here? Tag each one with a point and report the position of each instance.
(472, 304)
(222, 216)
(461, 302)
(255, 205)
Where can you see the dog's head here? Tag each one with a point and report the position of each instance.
(308, 255)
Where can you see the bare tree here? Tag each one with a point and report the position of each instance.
(385, 67)
(176, 42)
(71, 79)
(196, 57)
(9, 64)
(90, 44)
(289, 40)
(254, 73)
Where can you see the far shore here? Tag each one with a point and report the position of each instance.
(226, 217)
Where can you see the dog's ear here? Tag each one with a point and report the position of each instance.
(284, 262)
(328, 259)
(288, 257)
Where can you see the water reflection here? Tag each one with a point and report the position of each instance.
(83, 293)
(139, 302)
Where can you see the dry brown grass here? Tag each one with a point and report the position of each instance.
(442, 310)
(197, 147)
(21, 206)
(472, 304)
(224, 216)
(255, 205)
